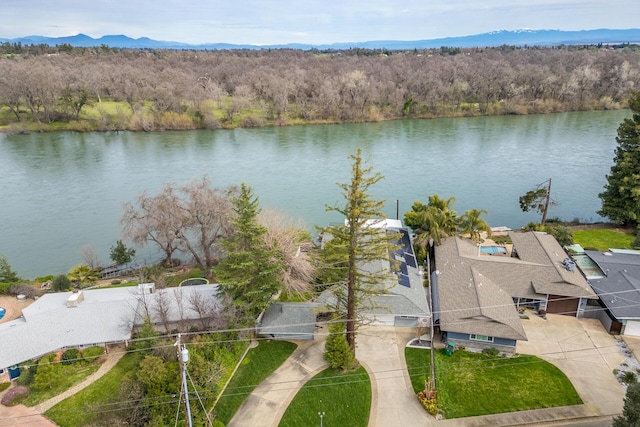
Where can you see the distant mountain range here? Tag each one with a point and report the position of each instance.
(494, 38)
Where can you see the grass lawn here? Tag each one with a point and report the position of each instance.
(472, 384)
(345, 400)
(73, 412)
(601, 239)
(71, 375)
(259, 363)
(419, 366)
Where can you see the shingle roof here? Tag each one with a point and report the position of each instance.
(392, 298)
(289, 319)
(548, 275)
(475, 291)
(469, 301)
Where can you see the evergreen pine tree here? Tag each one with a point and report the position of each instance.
(357, 246)
(621, 198)
(249, 271)
(337, 352)
(631, 411)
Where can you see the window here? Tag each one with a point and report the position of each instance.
(484, 338)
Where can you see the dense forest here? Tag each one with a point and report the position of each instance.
(46, 88)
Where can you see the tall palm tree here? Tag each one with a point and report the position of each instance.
(472, 223)
(432, 221)
(441, 204)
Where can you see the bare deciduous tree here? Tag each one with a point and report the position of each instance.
(161, 307)
(90, 256)
(291, 241)
(205, 307)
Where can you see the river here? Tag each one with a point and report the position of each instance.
(61, 191)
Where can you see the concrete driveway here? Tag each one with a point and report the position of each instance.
(23, 416)
(380, 349)
(584, 351)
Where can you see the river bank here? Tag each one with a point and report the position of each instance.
(118, 116)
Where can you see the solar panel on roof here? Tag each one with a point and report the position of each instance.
(410, 259)
(403, 268)
(404, 280)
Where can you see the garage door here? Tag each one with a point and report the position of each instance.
(632, 328)
(562, 305)
(406, 321)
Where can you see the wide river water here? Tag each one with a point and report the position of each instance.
(61, 191)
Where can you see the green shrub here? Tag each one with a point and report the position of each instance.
(61, 283)
(4, 386)
(44, 278)
(71, 356)
(27, 374)
(501, 240)
(4, 287)
(629, 378)
(561, 233)
(337, 352)
(92, 353)
(636, 241)
(532, 226)
(493, 352)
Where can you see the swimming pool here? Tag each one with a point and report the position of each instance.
(494, 250)
(2, 312)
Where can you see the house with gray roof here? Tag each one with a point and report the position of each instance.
(616, 280)
(99, 317)
(401, 299)
(476, 296)
(289, 321)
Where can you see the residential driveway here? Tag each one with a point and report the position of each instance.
(585, 352)
(579, 347)
(380, 349)
(266, 405)
(23, 416)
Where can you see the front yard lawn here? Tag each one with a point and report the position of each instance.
(259, 363)
(77, 410)
(344, 398)
(601, 239)
(67, 377)
(470, 384)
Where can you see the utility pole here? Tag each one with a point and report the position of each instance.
(183, 356)
(432, 355)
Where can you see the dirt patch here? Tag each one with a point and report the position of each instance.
(13, 306)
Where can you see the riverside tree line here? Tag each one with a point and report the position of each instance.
(113, 89)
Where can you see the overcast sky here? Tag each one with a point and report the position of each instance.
(306, 21)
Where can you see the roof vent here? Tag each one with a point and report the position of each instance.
(570, 266)
(75, 299)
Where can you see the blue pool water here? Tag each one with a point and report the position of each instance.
(2, 312)
(494, 250)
